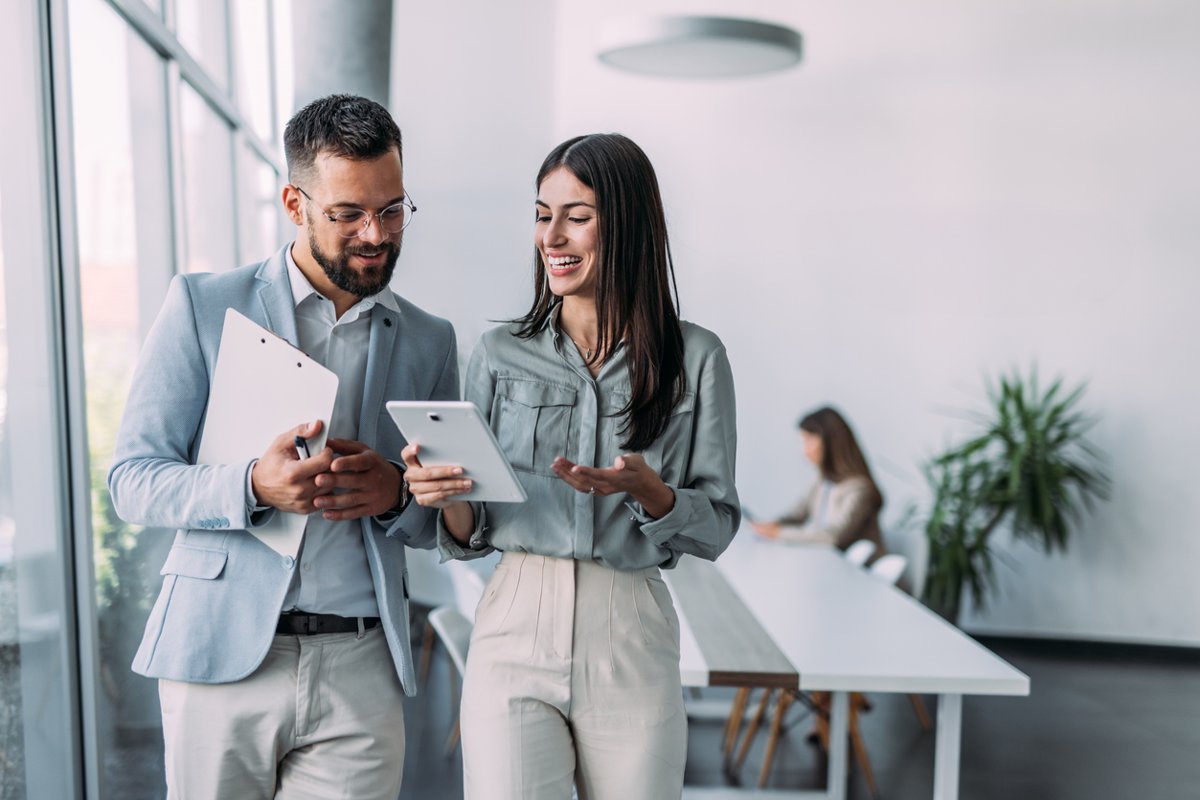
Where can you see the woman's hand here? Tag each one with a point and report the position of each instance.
(629, 474)
(436, 487)
(767, 530)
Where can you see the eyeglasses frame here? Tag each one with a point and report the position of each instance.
(406, 201)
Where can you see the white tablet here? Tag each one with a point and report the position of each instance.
(454, 434)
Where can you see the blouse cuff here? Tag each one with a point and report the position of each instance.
(451, 550)
(675, 521)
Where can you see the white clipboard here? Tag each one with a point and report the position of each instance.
(262, 386)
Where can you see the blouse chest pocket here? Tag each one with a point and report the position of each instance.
(532, 421)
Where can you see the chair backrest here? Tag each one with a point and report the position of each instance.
(860, 552)
(889, 568)
(468, 588)
(454, 631)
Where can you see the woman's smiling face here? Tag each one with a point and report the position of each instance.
(566, 232)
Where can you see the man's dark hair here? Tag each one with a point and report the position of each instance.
(343, 125)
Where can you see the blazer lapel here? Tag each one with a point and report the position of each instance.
(275, 295)
(384, 325)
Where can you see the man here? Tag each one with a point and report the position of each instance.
(283, 677)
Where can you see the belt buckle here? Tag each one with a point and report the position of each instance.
(311, 624)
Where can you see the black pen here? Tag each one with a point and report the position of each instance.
(302, 447)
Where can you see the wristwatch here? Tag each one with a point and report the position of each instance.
(405, 494)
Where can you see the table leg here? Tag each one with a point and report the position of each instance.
(839, 730)
(734, 723)
(947, 747)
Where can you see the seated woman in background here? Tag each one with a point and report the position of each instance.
(844, 505)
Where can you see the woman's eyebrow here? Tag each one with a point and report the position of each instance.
(566, 205)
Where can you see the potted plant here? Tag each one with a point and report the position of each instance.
(1028, 467)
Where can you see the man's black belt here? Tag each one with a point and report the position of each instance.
(298, 624)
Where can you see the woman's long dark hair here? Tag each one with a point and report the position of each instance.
(634, 281)
(841, 456)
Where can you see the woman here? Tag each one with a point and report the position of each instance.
(619, 419)
(843, 507)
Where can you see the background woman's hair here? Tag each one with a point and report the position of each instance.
(634, 280)
(841, 456)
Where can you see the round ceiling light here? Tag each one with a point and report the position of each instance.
(698, 47)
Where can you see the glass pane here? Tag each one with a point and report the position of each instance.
(12, 739)
(38, 743)
(124, 216)
(260, 210)
(284, 67)
(200, 26)
(207, 186)
(252, 64)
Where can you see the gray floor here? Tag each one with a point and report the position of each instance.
(1102, 724)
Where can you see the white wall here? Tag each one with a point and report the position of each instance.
(940, 191)
(471, 91)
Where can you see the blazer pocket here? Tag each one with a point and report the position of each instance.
(195, 562)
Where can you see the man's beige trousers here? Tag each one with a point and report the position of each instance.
(321, 718)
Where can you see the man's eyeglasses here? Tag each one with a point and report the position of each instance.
(351, 222)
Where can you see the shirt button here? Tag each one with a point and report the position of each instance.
(288, 562)
(308, 567)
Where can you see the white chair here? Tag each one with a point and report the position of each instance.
(889, 568)
(454, 632)
(429, 586)
(468, 588)
(860, 552)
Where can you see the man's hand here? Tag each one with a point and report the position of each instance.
(358, 483)
(281, 479)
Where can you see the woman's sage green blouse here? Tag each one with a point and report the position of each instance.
(542, 402)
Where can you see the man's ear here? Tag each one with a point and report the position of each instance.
(292, 202)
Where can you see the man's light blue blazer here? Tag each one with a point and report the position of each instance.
(222, 588)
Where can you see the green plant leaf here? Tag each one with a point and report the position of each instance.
(1028, 466)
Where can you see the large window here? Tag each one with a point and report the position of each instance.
(209, 203)
(124, 245)
(39, 757)
(175, 169)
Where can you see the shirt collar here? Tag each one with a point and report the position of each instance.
(302, 289)
(551, 327)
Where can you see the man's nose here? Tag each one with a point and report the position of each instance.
(373, 231)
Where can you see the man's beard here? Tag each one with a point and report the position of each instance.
(360, 284)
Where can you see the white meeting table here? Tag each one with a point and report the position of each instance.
(843, 631)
